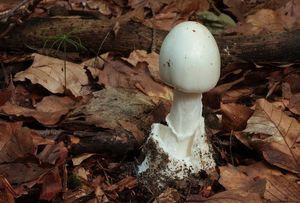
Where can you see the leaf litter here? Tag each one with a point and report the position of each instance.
(82, 145)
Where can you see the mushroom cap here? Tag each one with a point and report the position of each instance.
(189, 58)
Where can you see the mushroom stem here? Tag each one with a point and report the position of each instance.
(186, 114)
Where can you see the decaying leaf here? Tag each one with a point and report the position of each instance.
(128, 182)
(170, 195)
(265, 20)
(151, 59)
(175, 12)
(15, 142)
(280, 143)
(268, 183)
(48, 72)
(48, 111)
(235, 116)
(51, 185)
(118, 74)
(80, 158)
(5, 95)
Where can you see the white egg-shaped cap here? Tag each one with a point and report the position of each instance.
(189, 58)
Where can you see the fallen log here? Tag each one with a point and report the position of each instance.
(268, 48)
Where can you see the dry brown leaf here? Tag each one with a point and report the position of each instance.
(51, 185)
(7, 192)
(53, 154)
(281, 146)
(240, 180)
(265, 20)
(277, 186)
(175, 12)
(23, 175)
(80, 158)
(231, 196)
(48, 72)
(128, 182)
(15, 142)
(142, 56)
(118, 74)
(238, 8)
(48, 112)
(235, 116)
(5, 95)
(290, 15)
(294, 104)
(170, 195)
(234, 95)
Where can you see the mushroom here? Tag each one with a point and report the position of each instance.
(190, 62)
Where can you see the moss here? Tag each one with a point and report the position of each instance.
(73, 181)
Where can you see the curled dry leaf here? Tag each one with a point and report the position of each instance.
(234, 95)
(142, 56)
(238, 8)
(51, 185)
(175, 12)
(23, 175)
(5, 95)
(48, 111)
(118, 74)
(265, 20)
(235, 116)
(80, 158)
(269, 183)
(281, 146)
(128, 182)
(170, 195)
(232, 196)
(15, 142)
(48, 72)
(53, 154)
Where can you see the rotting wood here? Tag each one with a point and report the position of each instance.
(269, 48)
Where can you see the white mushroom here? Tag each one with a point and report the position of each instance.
(190, 62)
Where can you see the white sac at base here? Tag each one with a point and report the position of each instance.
(165, 160)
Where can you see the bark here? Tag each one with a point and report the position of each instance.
(111, 142)
(269, 48)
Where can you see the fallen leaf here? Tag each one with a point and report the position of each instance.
(53, 154)
(128, 182)
(175, 12)
(142, 56)
(234, 95)
(237, 8)
(118, 74)
(294, 104)
(80, 158)
(81, 172)
(48, 111)
(281, 146)
(265, 20)
(5, 95)
(230, 196)
(51, 185)
(22, 173)
(169, 195)
(277, 186)
(235, 116)
(49, 73)
(15, 142)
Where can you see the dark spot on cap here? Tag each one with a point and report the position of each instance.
(194, 30)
